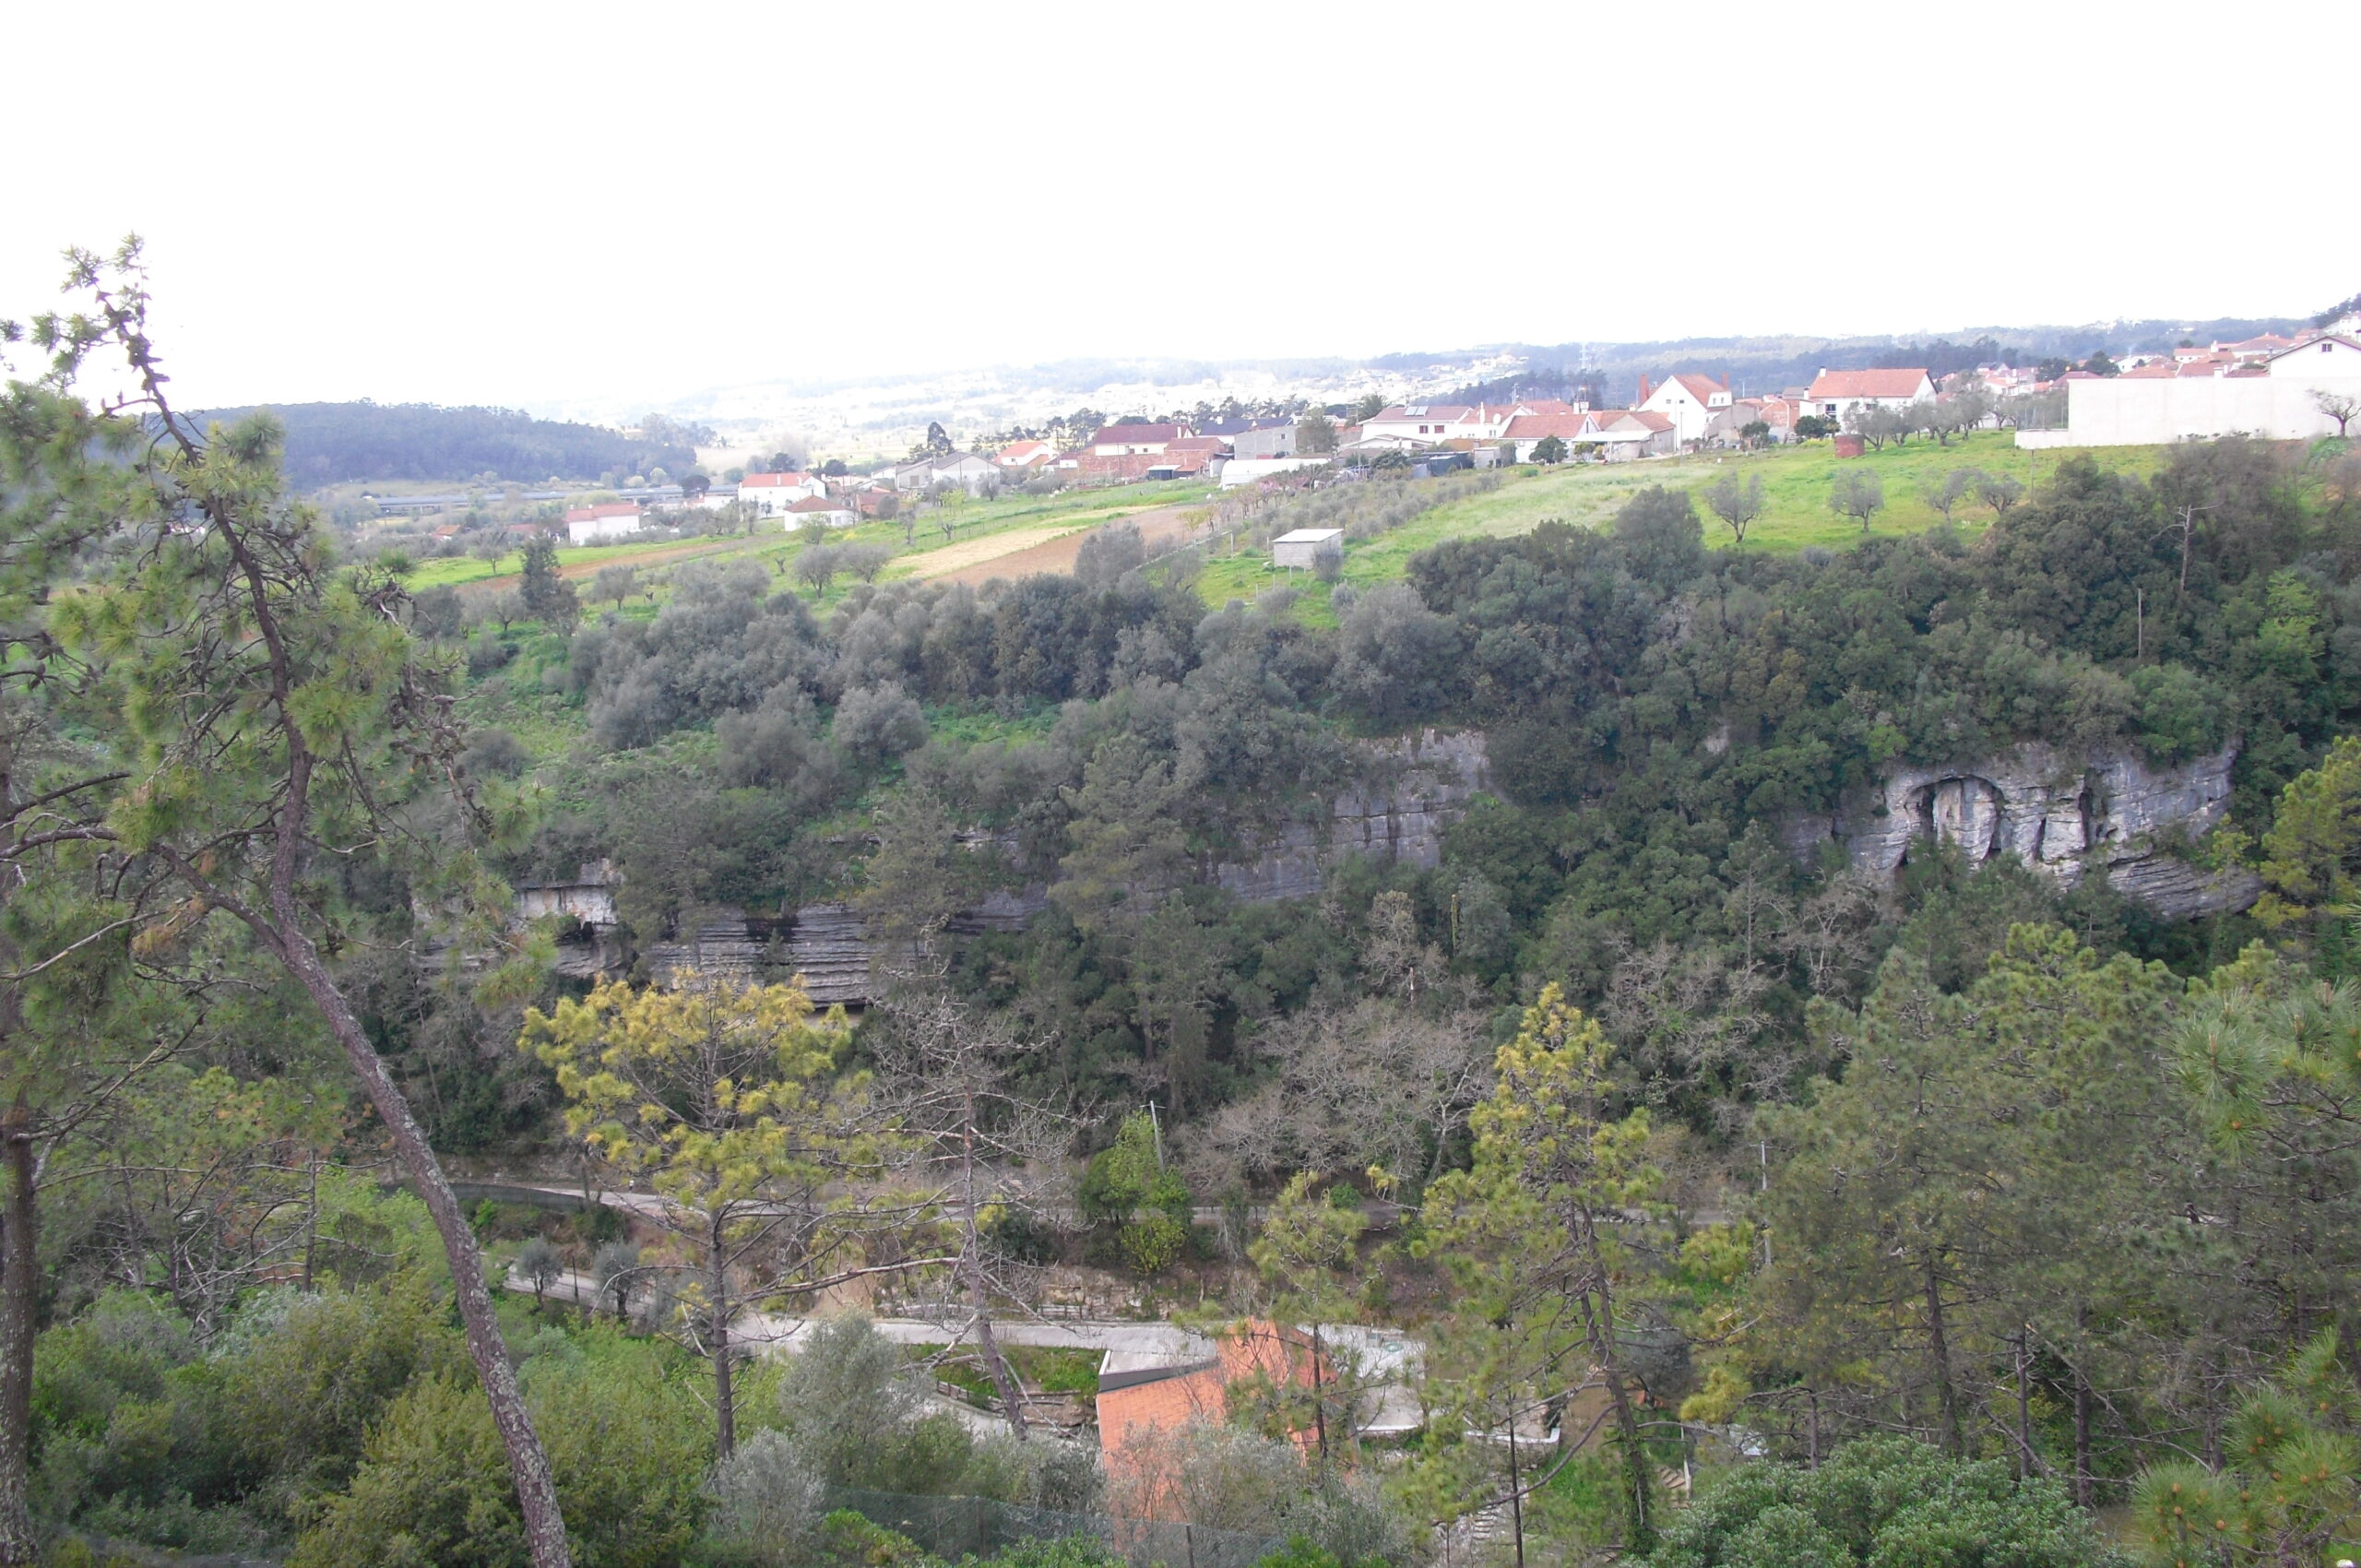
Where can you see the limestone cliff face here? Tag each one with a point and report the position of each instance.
(2069, 815)
(1415, 788)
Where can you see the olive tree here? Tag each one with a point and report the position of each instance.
(1737, 504)
(1859, 495)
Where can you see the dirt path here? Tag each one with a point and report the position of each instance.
(1026, 557)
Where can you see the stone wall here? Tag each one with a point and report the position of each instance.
(2069, 817)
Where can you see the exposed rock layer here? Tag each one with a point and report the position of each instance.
(2115, 814)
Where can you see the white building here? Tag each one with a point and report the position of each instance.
(588, 525)
(769, 495)
(1836, 393)
(1416, 422)
(1689, 401)
(2330, 356)
(1248, 470)
(2282, 404)
(1296, 550)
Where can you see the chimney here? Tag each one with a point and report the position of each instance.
(1644, 390)
(1725, 381)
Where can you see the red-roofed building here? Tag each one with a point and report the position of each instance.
(1529, 431)
(1193, 454)
(1135, 440)
(1025, 455)
(2254, 350)
(1689, 402)
(1834, 393)
(769, 495)
(588, 525)
(831, 512)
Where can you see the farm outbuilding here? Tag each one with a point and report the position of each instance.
(1296, 549)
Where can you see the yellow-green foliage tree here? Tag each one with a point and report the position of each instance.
(1542, 1234)
(2311, 857)
(729, 1103)
(1305, 1256)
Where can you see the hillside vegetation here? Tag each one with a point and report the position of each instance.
(1964, 1213)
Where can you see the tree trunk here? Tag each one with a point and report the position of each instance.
(972, 1266)
(1939, 1352)
(19, 1279)
(1598, 1319)
(725, 1394)
(2082, 1416)
(528, 1462)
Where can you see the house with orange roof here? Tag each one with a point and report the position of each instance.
(1835, 393)
(1689, 402)
(1529, 431)
(1621, 435)
(1024, 455)
(769, 495)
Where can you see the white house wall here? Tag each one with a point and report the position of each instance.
(2117, 412)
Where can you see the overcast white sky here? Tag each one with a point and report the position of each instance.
(523, 204)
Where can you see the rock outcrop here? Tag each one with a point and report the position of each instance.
(2069, 817)
(1416, 788)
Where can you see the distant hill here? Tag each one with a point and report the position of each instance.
(339, 443)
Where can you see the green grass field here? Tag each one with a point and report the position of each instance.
(1797, 481)
(979, 519)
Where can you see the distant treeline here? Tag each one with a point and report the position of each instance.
(334, 443)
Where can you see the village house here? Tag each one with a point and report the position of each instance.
(831, 512)
(979, 475)
(1264, 438)
(1836, 393)
(613, 519)
(769, 495)
(2331, 355)
(1624, 433)
(1190, 454)
(1529, 431)
(1415, 422)
(1024, 455)
(1689, 401)
(1135, 440)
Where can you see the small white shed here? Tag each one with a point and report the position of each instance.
(1296, 549)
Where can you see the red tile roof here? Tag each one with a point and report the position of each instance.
(607, 509)
(1835, 385)
(1702, 387)
(1536, 427)
(771, 482)
(1116, 434)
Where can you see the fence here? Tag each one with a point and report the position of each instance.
(952, 1528)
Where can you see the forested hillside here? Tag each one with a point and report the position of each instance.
(1746, 1200)
(339, 443)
